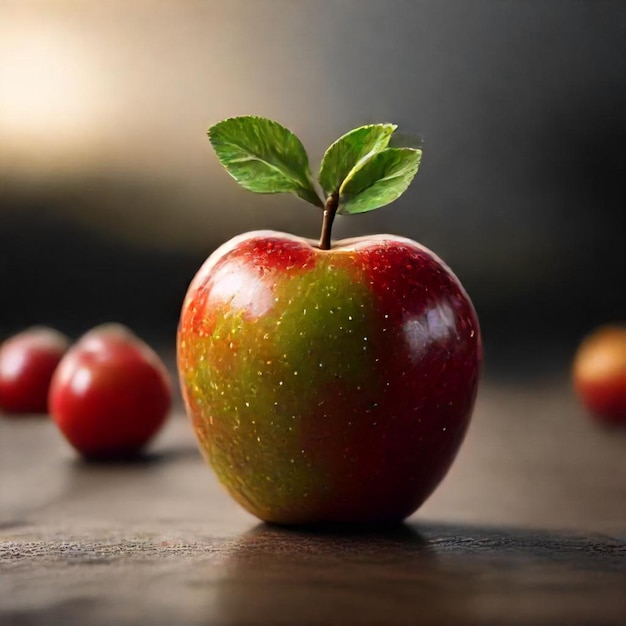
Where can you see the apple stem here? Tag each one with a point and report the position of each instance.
(330, 210)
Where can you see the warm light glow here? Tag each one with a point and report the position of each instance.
(48, 92)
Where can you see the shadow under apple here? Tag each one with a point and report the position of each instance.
(327, 575)
(411, 573)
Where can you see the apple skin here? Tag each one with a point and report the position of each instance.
(110, 394)
(27, 362)
(328, 386)
(599, 374)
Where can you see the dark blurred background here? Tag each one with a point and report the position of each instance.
(111, 197)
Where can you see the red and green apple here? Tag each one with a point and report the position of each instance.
(327, 381)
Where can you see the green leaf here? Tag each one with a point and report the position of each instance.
(345, 153)
(263, 156)
(378, 180)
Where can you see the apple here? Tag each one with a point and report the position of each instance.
(27, 362)
(327, 382)
(110, 394)
(599, 374)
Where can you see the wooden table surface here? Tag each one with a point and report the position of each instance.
(528, 528)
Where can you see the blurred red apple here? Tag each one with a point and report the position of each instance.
(27, 362)
(600, 374)
(110, 394)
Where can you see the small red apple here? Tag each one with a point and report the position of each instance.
(600, 374)
(327, 382)
(110, 394)
(27, 362)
